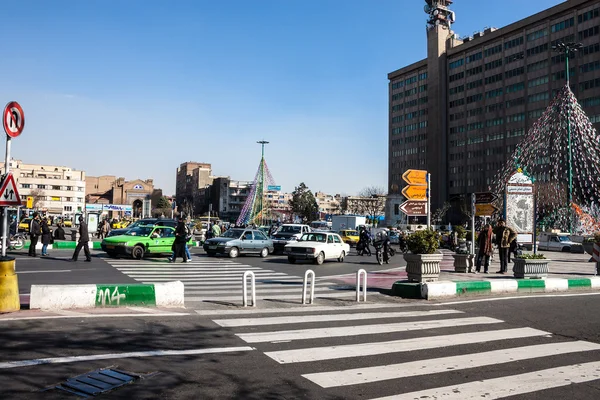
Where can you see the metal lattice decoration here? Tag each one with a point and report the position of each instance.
(255, 208)
(543, 155)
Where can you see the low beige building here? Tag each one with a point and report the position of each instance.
(108, 189)
(56, 190)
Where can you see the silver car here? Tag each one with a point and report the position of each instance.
(236, 241)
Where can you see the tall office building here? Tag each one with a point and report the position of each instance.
(460, 113)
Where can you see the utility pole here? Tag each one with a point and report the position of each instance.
(567, 48)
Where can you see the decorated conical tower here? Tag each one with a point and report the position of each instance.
(255, 209)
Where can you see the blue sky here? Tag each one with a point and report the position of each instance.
(134, 88)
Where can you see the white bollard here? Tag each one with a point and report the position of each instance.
(253, 288)
(358, 274)
(312, 286)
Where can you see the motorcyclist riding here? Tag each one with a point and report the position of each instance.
(363, 240)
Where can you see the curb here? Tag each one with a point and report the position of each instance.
(445, 289)
(67, 244)
(61, 297)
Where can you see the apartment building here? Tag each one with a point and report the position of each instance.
(460, 113)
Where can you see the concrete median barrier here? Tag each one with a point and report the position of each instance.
(61, 297)
(447, 289)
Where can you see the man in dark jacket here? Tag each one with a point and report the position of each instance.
(84, 238)
(35, 231)
(504, 237)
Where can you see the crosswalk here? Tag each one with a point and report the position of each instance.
(390, 352)
(220, 280)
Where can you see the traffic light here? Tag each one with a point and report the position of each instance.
(29, 201)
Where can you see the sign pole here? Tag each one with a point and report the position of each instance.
(472, 223)
(428, 201)
(5, 209)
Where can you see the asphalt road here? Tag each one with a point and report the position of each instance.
(530, 348)
(209, 281)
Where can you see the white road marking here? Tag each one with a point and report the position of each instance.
(397, 346)
(151, 353)
(235, 322)
(302, 309)
(46, 271)
(437, 365)
(300, 334)
(528, 296)
(260, 290)
(506, 386)
(224, 279)
(166, 314)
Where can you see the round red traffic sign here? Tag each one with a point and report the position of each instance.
(13, 119)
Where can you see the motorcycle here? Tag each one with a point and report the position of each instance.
(381, 255)
(16, 242)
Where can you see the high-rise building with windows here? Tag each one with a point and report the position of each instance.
(460, 113)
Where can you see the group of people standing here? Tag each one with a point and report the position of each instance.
(40, 228)
(505, 237)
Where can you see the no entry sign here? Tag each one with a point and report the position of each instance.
(13, 119)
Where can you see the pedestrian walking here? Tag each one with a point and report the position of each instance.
(104, 228)
(179, 242)
(484, 241)
(46, 236)
(35, 230)
(216, 230)
(84, 238)
(504, 236)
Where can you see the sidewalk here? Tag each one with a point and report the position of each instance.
(567, 271)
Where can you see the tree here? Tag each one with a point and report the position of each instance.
(163, 207)
(371, 201)
(38, 198)
(303, 203)
(439, 214)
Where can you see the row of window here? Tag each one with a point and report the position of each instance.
(590, 102)
(537, 34)
(408, 104)
(513, 43)
(589, 84)
(567, 23)
(493, 64)
(51, 187)
(474, 57)
(537, 49)
(56, 198)
(514, 72)
(492, 50)
(593, 31)
(593, 66)
(538, 81)
(408, 81)
(586, 16)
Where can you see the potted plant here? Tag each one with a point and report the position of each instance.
(530, 266)
(463, 260)
(423, 261)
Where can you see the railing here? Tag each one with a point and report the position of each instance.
(245, 289)
(312, 286)
(364, 286)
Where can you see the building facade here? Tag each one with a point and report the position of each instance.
(192, 180)
(108, 189)
(56, 190)
(460, 113)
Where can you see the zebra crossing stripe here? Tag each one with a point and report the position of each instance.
(260, 290)
(512, 385)
(301, 334)
(305, 309)
(230, 323)
(437, 365)
(201, 275)
(398, 346)
(224, 279)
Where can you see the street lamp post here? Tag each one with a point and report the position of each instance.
(566, 49)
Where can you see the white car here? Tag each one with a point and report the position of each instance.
(317, 246)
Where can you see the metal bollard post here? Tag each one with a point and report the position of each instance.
(358, 274)
(312, 286)
(253, 288)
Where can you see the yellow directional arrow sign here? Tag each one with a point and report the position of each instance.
(485, 209)
(415, 192)
(415, 177)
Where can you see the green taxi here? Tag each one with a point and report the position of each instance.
(140, 241)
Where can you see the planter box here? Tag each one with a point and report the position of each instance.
(526, 268)
(423, 267)
(463, 262)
